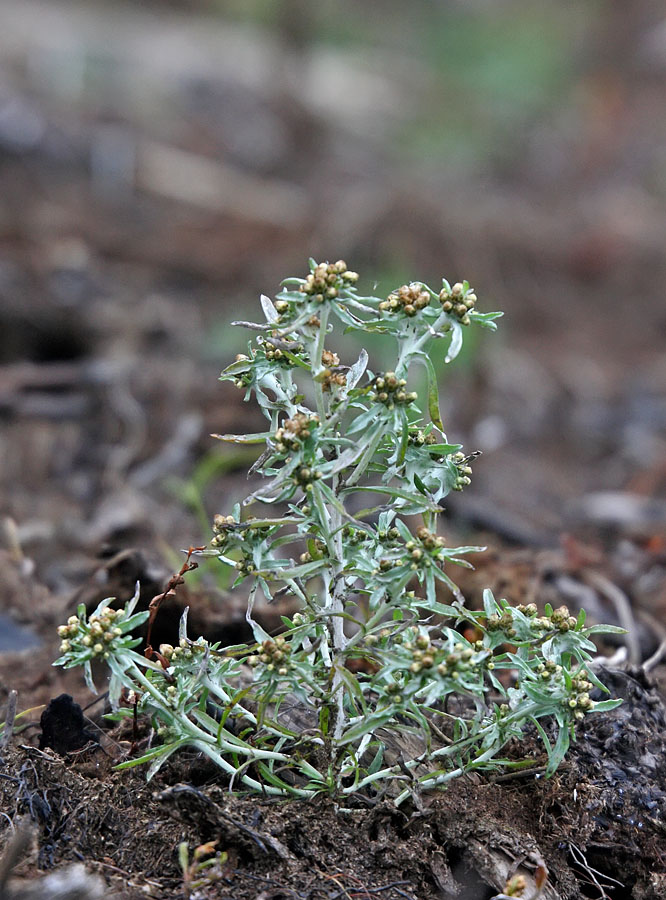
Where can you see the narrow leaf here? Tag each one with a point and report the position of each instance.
(433, 392)
(258, 438)
(357, 370)
(456, 341)
(269, 310)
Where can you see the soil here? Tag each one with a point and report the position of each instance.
(114, 301)
(597, 826)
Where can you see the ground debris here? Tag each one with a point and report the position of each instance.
(598, 821)
(69, 883)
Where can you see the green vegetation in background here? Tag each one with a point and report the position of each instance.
(212, 465)
(486, 71)
(493, 73)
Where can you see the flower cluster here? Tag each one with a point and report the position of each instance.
(418, 437)
(556, 620)
(458, 300)
(580, 700)
(272, 656)
(449, 664)
(318, 548)
(429, 540)
(186, 651)
(279, 351)
(561, 619)
(106, 634)
(574, 691)
(425, 549)
(330, 378)
(503, 623)
(463, 471)
(222, 527)
(95, 637)
(325, 281)
(413, 664)
(245, 566)
(389, 390)
(355, 536)
(304, 476)
(293, 432)
(409, 299)
(414, 552)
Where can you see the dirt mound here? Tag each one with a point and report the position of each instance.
(597, 825)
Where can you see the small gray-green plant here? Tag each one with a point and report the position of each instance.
(383, 679)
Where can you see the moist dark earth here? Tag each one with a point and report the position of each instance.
(598, 825)
(115, 299)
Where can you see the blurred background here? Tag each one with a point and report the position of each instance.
(161, 164)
